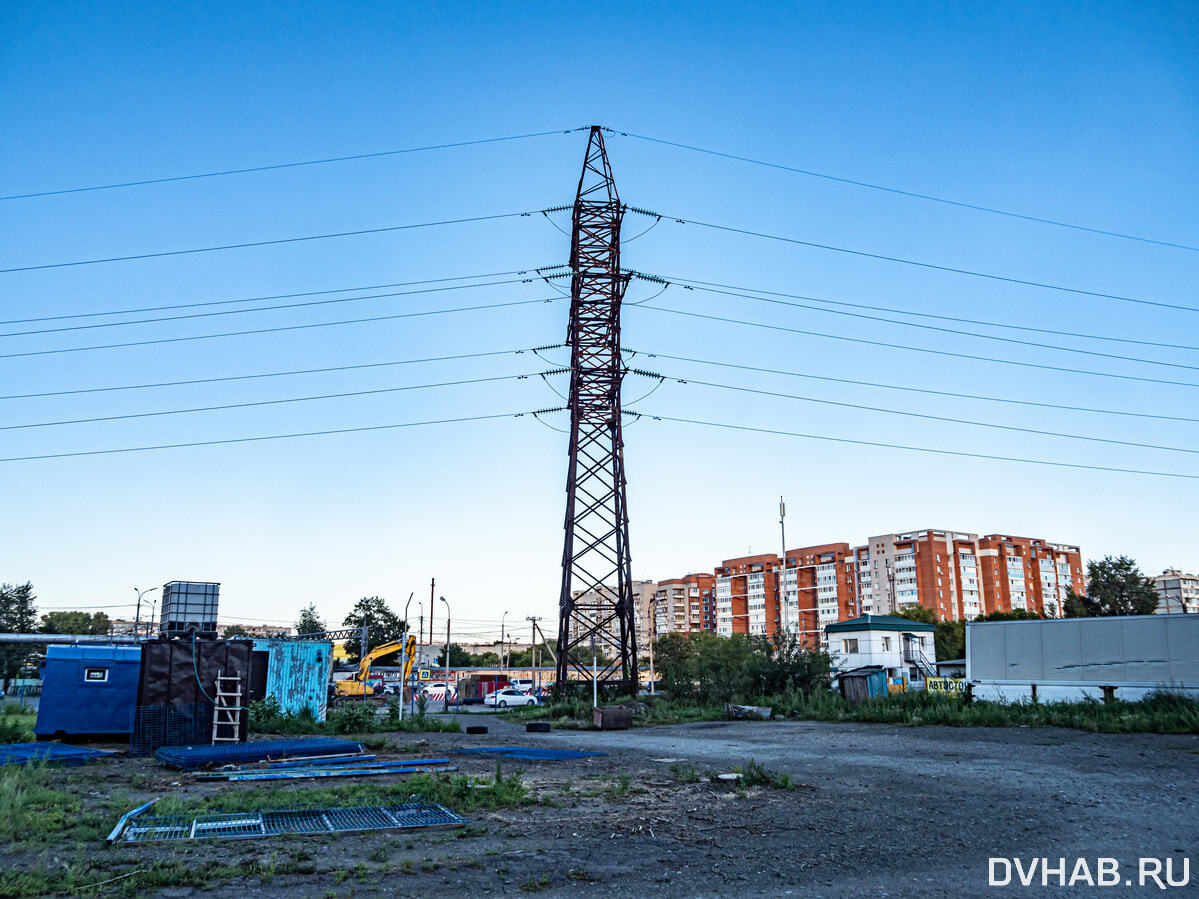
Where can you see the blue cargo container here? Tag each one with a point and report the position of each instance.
(88, 690)
(298, 673)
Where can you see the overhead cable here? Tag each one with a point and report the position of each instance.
(266, 437)
(270, 243)
(915, 349)
(274, 308)
(285, 165)
(928, 265)
(1057, 347)
(918, 449)
(909, 389)
(339, 322)
(278, 402)
(276, 296)
(950, 419)
(280, 374)
(908, 193)
(1057, 332)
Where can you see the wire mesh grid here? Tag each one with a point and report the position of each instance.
(279, 822)
(169, 725)
(191, 757)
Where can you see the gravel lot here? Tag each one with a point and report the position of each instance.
(881, 810)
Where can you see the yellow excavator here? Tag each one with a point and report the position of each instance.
(356, 684)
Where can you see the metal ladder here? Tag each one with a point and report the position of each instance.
(225, 714)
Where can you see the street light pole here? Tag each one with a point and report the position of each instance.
(137, 617)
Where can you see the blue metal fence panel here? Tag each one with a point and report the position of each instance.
(298, 673)
(189, 758)
(88, 689)
(136, 827)
(50, 753)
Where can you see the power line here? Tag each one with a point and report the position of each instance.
(696, 285)
(891, 321)
(162, 446)
(920, 449)
(275, 308)
(914, 349)
(907, 193)
(271, 243)
(284, 165)
(277, 296)
(951, 420)
(929, 265)
(908, 389)
(352, 321)
(294, 399)
(278, 374)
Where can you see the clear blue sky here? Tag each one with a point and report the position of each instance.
(1086, 113)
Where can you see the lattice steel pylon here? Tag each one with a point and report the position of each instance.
(596, 611)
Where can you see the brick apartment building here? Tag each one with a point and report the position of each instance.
(957, 575)
(747, 595)
(685, 604)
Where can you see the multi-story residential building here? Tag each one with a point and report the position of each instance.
(961, 575)
(1178, 592)
(747, 595)
(1028, 573)
(685, 604)
(593, 604)
(819, 587)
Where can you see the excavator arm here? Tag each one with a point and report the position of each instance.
(378, 652)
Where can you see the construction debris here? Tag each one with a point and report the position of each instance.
(755, 712)
(189, 758)
(136, 827)
(530, 753)
(295, 770)
(50, 753)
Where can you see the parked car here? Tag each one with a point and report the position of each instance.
(502, 699)
(524, 684)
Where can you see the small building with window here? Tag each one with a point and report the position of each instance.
(905, 649)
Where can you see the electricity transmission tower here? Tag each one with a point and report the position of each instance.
(596, 613)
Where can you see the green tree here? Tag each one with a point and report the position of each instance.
(1013, 615)
(383, 624)
(310, 622)
(707, 668)
(523, 658)
(459, 657)
(1115, 586)
(950, 636)
(483, 659)
(75, 623)
(18, 615)
(234, 630)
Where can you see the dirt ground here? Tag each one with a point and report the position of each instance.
(879, 810)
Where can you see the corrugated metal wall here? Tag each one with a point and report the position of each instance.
(1135, 649)
(298, 673)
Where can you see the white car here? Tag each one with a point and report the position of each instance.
(502, 699)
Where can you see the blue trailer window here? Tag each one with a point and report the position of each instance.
(95, 675)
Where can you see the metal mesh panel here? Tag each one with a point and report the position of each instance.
(278, 822)
(191, 757)
(169, 725)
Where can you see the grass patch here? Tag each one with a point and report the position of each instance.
(349, 717)
(754, 775)
(536, 885)
(16, 726)
(685, 773)
(1163, 713)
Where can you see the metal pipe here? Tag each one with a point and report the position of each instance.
(73, 638)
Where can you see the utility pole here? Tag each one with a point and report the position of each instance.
(596, 599)
(783, 569)
(891, 586)
(533, 653)
(432, 584)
